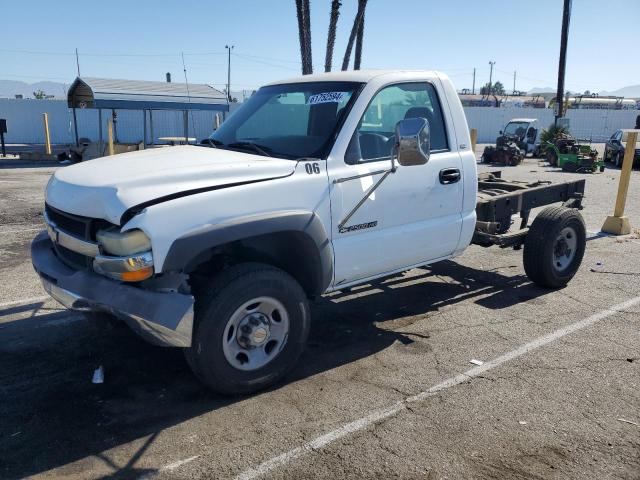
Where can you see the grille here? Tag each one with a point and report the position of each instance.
(82, 227)
(73, 259)
(74, 224)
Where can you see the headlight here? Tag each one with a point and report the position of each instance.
(121, 244)
(129, 256)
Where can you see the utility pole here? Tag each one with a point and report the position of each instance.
(473, 88)
(491, 64)
(514, 82)
(229, 48)
(566, 17)
(77, 62)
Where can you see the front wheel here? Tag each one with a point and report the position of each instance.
(552, 158)
(554, 246)
(251, 325)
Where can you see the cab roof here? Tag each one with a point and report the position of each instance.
(361, 76)
(524, 120)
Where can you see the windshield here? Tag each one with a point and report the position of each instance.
(516, 128)
(291, 121)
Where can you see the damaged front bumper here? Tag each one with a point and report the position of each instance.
(162, 318)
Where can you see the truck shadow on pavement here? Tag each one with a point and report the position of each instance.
(53, 415)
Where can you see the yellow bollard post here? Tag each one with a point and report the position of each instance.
(617, 223)
(110, 136)
(474, 140)
(47, 137)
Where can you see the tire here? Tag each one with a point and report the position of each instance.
(554, 247)
(569, 167)
(226, 309)
(552, 158)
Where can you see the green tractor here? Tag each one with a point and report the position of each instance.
(566, 153)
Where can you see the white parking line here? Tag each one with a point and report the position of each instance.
(179, 463)
(24, 301)
(384, 413)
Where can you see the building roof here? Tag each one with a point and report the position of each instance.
(87, 92)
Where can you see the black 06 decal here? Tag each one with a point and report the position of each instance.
(312, 168)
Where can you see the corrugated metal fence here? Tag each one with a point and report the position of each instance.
(24, 119)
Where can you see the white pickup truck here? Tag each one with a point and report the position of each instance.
(315, 184)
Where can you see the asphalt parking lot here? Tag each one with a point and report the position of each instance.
(385, 390)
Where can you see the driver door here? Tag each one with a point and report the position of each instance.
(415, 214)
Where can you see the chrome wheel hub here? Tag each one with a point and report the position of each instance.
(253, 330)
(564, 249)
(255, 333)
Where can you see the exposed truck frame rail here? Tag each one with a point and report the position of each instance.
(500, 199)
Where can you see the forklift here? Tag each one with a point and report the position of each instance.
(519, 137)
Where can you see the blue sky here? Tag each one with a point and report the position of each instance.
(142, 39)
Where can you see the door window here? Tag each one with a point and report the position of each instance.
(374, 138)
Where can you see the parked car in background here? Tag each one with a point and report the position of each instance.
(614, 150)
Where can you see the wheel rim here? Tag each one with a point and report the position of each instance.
(255, 333)
(564, 248)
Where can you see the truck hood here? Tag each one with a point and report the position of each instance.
(107, 187)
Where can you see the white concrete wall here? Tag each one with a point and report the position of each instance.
(597, 125)
(24, 118)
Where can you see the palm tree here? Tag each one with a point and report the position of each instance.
(358, 55)
(307, 36)
(304, 32)
(331, 36)
(354, 31)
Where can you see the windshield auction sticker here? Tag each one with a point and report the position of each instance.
(328, 97)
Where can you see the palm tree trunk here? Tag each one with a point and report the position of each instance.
(307, 60)
(354, 30)
(358, 55)
(300, 15)
(331, 37)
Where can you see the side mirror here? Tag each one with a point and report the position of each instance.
(413, 141)
(500, 132)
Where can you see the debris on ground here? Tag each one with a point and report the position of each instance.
(98, 375)
(629, 421)
(476, 362)
(522, 422)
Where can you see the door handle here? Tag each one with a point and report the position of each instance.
(449, 175)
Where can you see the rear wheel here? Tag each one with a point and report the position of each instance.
(252, 323)
(552, 158)
(554, 246)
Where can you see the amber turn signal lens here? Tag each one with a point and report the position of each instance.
(137, 276)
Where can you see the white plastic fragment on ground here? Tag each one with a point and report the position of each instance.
(476, 362)
(629, 421)
(522, 422)
(98, 375)
(598, 267)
